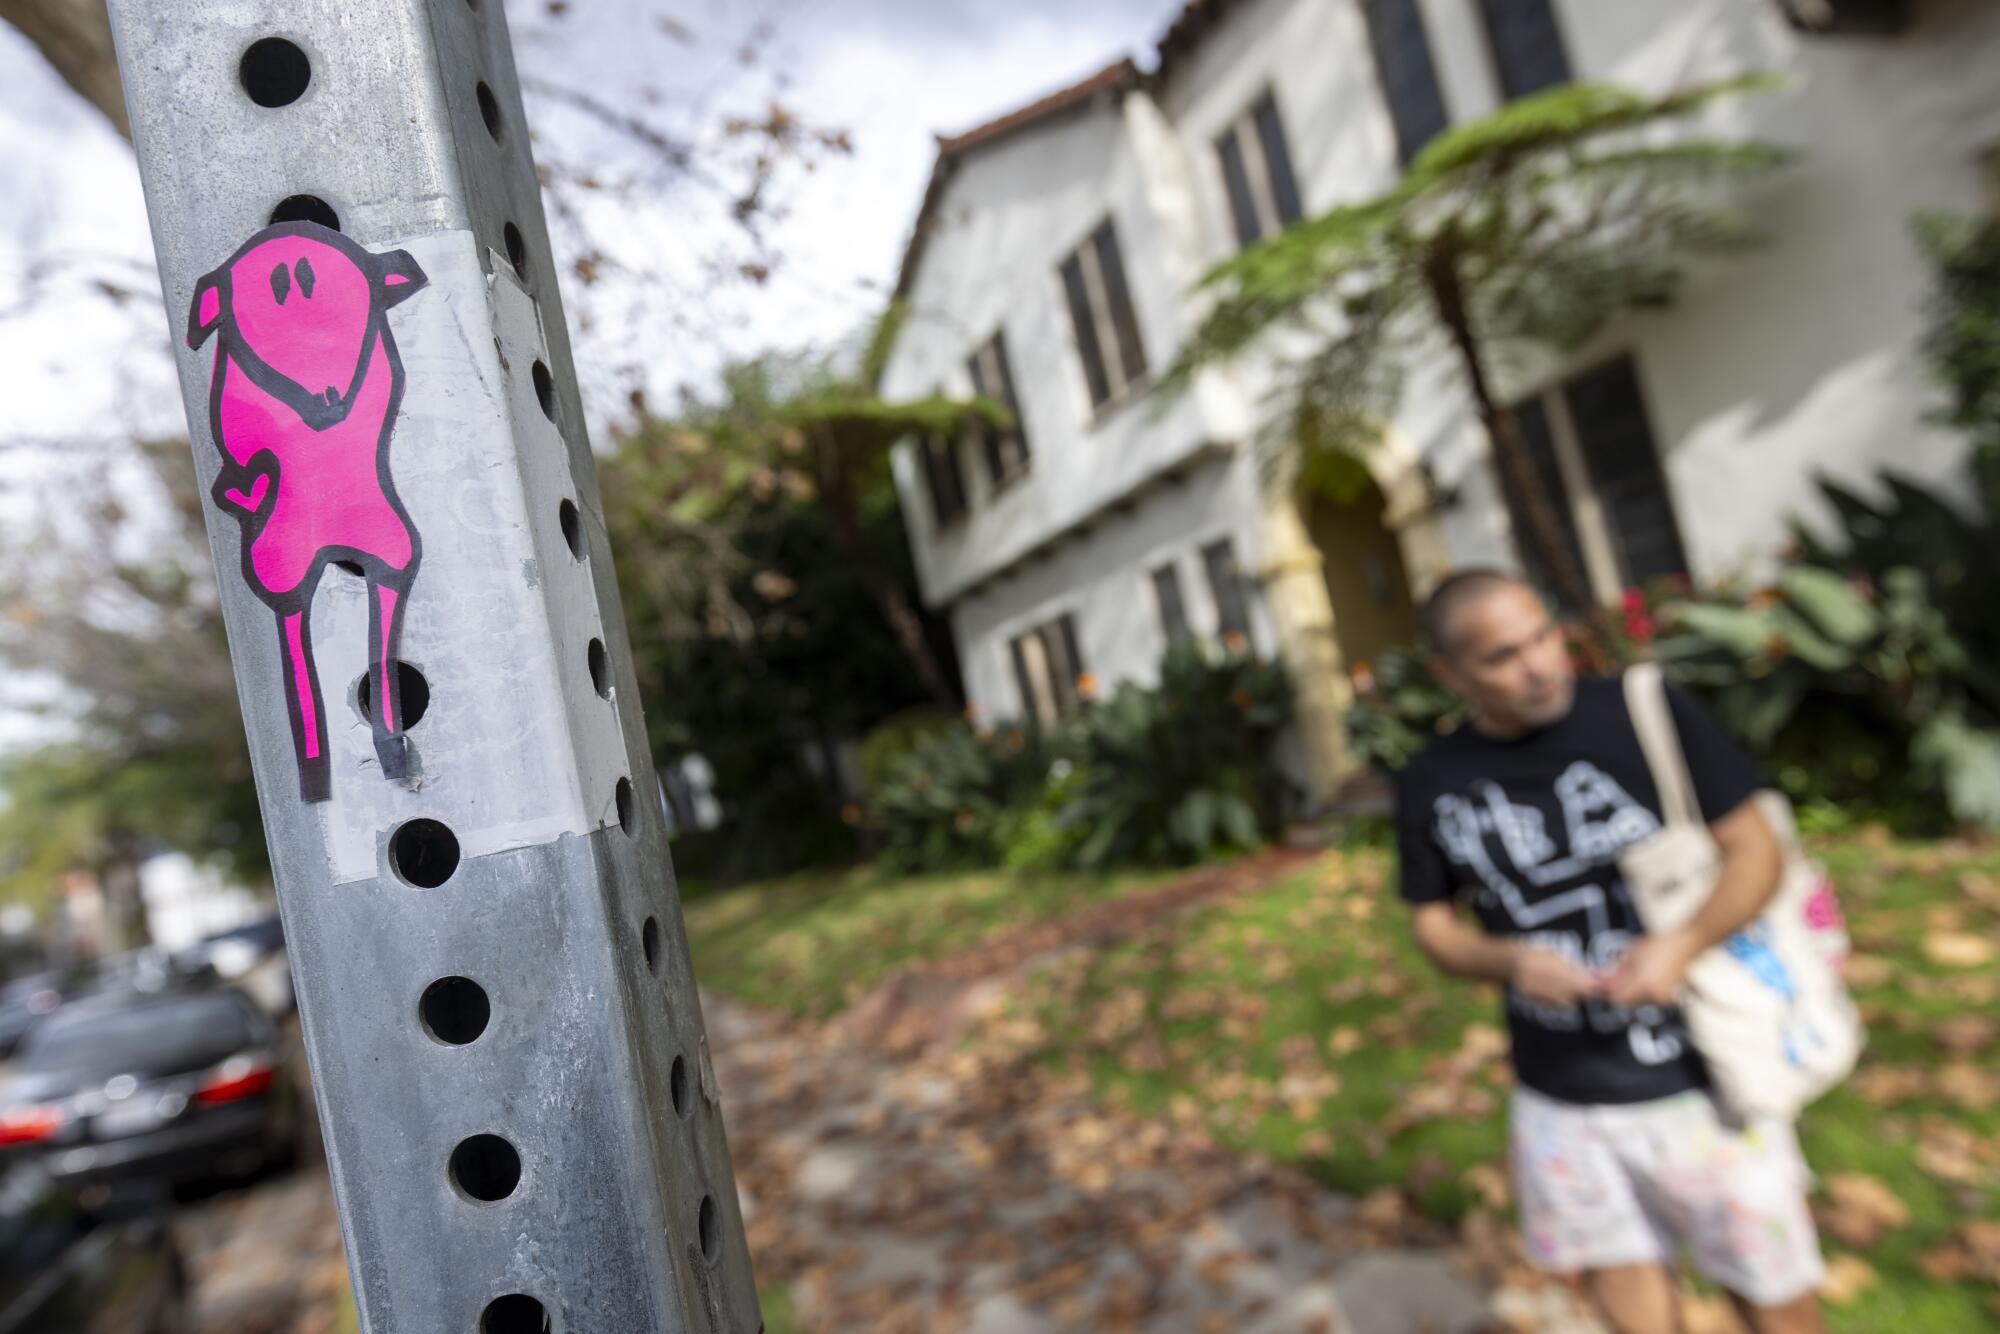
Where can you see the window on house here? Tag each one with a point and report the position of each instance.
(1409, 79)
(1100, 305)
(1173, 610)
(1533, 419)
(1527, 44)
(1047, 666)
(1225, 584)
(943, 478)
(1263, 196)
(1593, 453)
(1006, 449)
(1624, 466)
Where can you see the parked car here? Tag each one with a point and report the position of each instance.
(251, 956)
(100, 1261)
(173, 1085)
(26, 1001)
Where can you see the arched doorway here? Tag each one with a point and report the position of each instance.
(1361, 560)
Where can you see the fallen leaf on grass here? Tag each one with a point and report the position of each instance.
(1860, 1208)
(1489, 1182)
(1868, 970)
(1981, 888)
(1957, 949)
(1954, 1154)
(1974, 1088)
(1847, 1277)
(1964, 1034)
(1344, 1040)
(1880, 1085)
(1383, 1210)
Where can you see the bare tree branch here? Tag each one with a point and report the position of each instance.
(75, 37)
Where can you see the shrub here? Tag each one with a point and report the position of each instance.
(960, 797)
(1398, 708)
(1180, 771)
(896, 739)
(1849, 690)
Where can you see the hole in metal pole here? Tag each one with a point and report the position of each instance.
(624, 799)
(352, 567)
(455, 1010)
(485, 1168)
(489, 110)
(424, 853)
(677, 1085)
(410, 684)
(545, 390)
(516, 1313)
(274, 72)
(649, 941)
(709, 1229)
(572, 527)
(306, 208)
(517, 250)
(600, 668)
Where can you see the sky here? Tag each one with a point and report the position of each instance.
(890, 73)
(85, 353)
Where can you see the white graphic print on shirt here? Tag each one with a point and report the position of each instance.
(1600, 820)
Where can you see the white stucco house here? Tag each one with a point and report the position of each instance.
(1055, 250)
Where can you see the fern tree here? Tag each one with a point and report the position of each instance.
(1527, 229)
(810, 429)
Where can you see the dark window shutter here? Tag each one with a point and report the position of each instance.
(1527, 45)
(1173, 610)
(1409, 80)
(983, 431)
(1131, 354)
(1022, 682)
(1533, 419)
(1271, 135)
(1086, 330)
(1625, 473)
(1225, 584)
(1242, 207)
(1060, 636)
(1019, 432)
(947, 483)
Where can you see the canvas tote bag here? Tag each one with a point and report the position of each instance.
(1766, 1008)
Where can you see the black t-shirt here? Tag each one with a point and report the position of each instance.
(1530, 830)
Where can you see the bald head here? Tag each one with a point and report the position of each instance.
(1497, 648)
(1455, 593)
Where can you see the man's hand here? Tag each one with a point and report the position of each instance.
(1548, 978)
(1652, 971)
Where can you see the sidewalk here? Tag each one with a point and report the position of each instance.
(952, 1193)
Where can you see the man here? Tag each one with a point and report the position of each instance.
(1621, 1156)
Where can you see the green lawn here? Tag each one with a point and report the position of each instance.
(813, 943)
(1300, 1022)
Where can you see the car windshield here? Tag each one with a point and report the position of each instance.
(111, 1039)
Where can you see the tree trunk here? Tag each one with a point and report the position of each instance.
(75, 37)
(837, 490)
(1510, 450)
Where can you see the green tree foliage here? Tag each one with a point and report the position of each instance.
(1161, 774)
(118, 612)
(1527, 229)
(768, 587)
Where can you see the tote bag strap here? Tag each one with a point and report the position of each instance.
(1660, 740)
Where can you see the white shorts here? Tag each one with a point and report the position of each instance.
(1635, 1183)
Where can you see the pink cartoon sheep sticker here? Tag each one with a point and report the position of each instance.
(303, 402)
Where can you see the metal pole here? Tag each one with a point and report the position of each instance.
(519, 1111)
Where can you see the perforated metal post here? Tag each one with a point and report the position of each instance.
(519, 1111)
